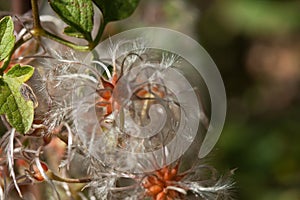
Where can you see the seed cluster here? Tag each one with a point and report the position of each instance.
(162, 184)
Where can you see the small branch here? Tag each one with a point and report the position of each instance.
(55, 177)
(62, 41)
(35, 15)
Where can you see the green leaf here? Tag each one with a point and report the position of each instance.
(21, 73)
(7, 38)
(19, 111)
(73, 32)
(76, 13)
(116, 9)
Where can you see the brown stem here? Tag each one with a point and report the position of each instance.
(35, 14)
(55, 177)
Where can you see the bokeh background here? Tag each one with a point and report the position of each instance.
(256, 46)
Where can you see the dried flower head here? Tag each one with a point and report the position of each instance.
(130, 114)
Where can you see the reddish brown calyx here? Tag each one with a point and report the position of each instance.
(36, 173)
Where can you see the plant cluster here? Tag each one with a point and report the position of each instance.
(51, 100)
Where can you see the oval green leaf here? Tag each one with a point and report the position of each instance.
(7, 38)
(22, 73)
(18, 110)
(113, 10)
(76, 13)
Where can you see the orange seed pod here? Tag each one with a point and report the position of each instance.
(37, 174)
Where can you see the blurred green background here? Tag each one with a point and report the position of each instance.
(256, 46)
